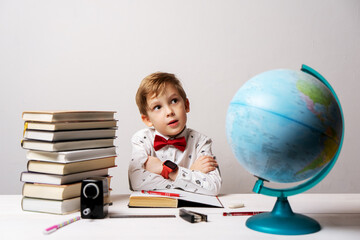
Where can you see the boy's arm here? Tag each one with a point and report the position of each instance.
(207, 182)
(139, 178)
(196, 181)
(200, 181)
(202, 175)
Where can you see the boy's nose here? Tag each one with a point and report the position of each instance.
(169, 112)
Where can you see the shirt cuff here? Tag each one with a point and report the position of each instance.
(183, 177)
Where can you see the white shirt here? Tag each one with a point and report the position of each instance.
(194, 181)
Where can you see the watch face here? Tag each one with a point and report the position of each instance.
(170, 164)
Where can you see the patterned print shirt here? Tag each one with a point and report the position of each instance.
(188, 180)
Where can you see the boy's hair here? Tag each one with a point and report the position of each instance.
(155, 83)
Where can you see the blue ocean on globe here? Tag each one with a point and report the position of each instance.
(284, 126)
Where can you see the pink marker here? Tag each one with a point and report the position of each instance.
(57, 226)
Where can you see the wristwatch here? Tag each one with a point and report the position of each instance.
(168, 167)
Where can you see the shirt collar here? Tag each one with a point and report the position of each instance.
(183, 133)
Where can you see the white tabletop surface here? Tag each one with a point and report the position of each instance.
(338, 215)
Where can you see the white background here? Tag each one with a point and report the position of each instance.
(92, 55)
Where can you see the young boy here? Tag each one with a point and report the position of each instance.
(168, 154)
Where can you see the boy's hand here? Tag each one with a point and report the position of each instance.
(204, 164)
(153, 165)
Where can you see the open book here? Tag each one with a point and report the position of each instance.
(186, 199)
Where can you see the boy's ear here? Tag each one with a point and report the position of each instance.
(187, 105)
(146, 120)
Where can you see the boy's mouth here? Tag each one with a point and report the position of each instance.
(172, 123)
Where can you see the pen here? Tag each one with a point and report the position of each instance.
(240, 213)
(161, 193)
(57, 226)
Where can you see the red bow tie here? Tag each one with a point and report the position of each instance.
(160, 142)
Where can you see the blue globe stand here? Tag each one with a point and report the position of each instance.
(282, 220)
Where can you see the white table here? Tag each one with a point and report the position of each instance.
(338, 214)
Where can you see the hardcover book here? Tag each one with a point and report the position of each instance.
(51, 206)
(61, 116)
(52, 191)
(69, 135)
(71, 156)
(70, 168)
(186, 199)
(67, 145)
(45, 178)
(58, 126)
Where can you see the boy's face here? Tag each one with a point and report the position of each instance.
(167, 112)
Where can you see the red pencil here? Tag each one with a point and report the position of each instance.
(240, 213)
(161, 193)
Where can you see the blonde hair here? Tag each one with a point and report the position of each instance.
(156, 83)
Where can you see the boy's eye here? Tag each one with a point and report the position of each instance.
(157, 107)
(175, 100)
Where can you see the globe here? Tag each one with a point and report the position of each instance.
(286, 126)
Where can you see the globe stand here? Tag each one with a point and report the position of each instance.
(282, 220)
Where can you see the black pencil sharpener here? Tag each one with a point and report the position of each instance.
(94, 198)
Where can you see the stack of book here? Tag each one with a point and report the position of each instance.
(63, 148)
